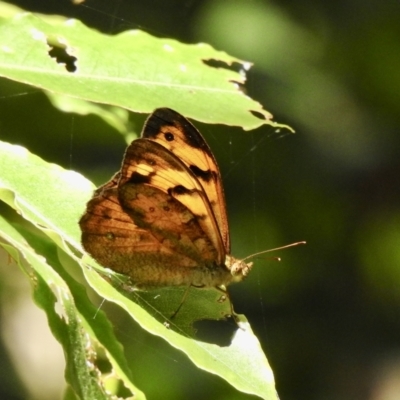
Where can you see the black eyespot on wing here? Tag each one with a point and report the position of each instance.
(168, 117)
(169, 137)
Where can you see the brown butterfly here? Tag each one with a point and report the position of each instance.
(161, 219)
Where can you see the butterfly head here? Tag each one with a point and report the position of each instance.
(238, 268)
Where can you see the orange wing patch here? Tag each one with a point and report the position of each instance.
(147, 162)
(181, 138)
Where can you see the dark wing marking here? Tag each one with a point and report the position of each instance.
(180, 137)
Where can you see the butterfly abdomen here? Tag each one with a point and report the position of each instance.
(153, 275)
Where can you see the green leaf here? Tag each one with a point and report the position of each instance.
(116, 117)
(54, 199)
(242, 363)
(132, 70)
(69, 313)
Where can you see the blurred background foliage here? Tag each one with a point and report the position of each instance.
(328, 315)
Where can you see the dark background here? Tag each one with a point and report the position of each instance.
(328, 315)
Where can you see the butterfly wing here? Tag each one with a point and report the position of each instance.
(161, 219)
(166, 247)
(110, 236)
(149, 163)
(181, 138)
(153, 222)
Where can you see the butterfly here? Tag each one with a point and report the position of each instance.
(161, 220)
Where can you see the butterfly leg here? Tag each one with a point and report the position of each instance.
(225, 292)
(181, 303)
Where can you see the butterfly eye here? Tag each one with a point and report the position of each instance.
(169, 137)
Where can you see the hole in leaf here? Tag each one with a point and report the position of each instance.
(123, 392)
(104, 365)
(59, 52)
(239, 67)
(258, 114)
(234, 66)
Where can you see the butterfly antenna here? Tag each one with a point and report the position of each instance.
(277, 248)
